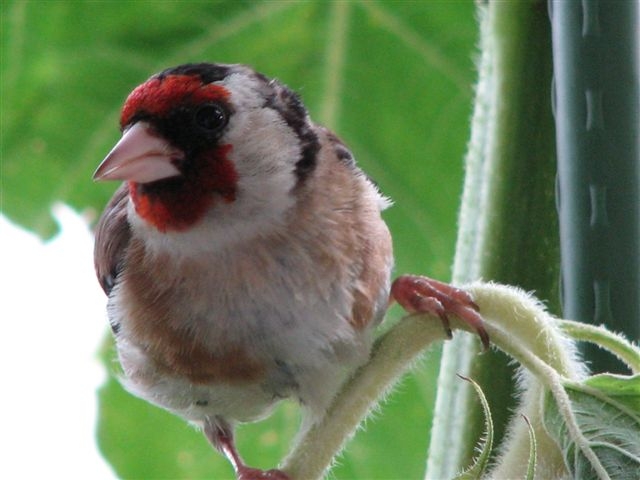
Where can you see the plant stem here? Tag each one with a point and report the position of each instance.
(597, 92)
(508, 223)
(614, 343)
(392, 355)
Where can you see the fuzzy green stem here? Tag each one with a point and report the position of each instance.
(520, 326)
(516, 323)
(613, 342)
(508, 223)
(392, 355)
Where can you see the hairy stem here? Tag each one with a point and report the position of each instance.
(392, 355)
(516, 323)
(613, 342)
(508, 222)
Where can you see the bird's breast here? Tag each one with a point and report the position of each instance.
(219, 321)
(182, 318)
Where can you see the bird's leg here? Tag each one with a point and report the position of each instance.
(417, 294)
(220, 435)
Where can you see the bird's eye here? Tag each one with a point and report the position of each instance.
(211, 117)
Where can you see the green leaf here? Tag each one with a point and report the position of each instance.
(477, 470)
(599, 438)
(623, 390)
(393, 79)
(533, 450)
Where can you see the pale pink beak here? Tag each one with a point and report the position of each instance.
(140, 156)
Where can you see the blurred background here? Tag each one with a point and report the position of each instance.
(394, 79)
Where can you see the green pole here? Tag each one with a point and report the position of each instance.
(597, 103)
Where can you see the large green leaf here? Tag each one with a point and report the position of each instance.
(603, 435)
(392, 78)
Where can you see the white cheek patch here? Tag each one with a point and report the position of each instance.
(265, 151)
(263, 144)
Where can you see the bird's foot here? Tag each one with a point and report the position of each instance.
(220, 433)
(246, 473)
(417, 294)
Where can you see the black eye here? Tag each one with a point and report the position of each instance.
(211, 117)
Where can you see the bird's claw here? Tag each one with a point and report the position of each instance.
(246, 473)
(417, 294)
(220, 434)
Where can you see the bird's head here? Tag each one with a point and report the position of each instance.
(211, 143)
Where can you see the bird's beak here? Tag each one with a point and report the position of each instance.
(140, 156)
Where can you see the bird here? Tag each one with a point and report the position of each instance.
(244, 255)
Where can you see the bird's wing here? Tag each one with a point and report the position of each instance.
(112, 237)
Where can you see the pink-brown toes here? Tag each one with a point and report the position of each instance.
(472, 318)
(220, 434)
(417, 294)
(433, 305)
(246, 473)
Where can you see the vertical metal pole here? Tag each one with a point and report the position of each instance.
(596, 57)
